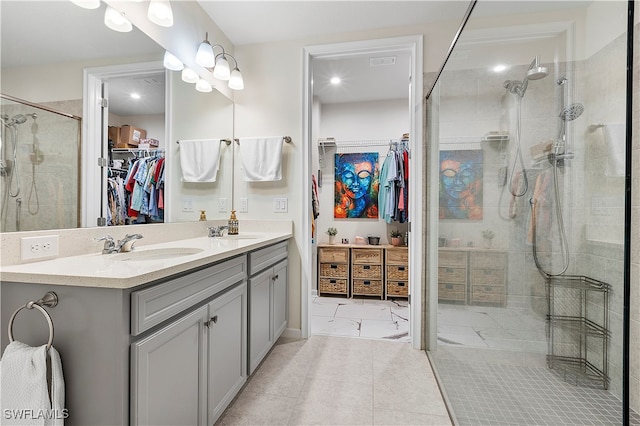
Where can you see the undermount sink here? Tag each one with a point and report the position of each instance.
(157, 254)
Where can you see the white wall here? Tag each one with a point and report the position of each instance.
(357, 121)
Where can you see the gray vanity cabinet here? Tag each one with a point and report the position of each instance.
(166, 368)
(193, 364)
(268, 307)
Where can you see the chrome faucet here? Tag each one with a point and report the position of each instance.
(110, 246)
(217, 231)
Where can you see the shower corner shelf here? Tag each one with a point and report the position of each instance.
(578, 328)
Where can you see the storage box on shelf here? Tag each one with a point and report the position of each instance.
(131, 136)
(472, 276)
(333, 270)
(397, 272)
(366, 271)
(452, 276)
(487, 277)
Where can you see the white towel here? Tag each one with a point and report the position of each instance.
(199, 159)
(25, 395)
(261, 158)
(614, 137)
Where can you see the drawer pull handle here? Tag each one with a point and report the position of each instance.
(401, 268)
(449, 286)
(332, 281)
(400, 284)
(275, 277)
(366, 267)
(334, 266)
(214, 319)
(366, 282)
(449, 270)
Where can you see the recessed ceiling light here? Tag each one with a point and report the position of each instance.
(135, 95)
(499, 68)
(335, 80)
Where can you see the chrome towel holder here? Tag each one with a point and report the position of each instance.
(50, 299)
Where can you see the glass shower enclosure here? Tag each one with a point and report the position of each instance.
(529, 116)
(39, 167)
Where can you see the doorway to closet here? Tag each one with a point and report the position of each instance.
(360, 117)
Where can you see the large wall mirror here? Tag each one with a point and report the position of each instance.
(42, 62)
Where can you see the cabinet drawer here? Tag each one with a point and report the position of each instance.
(367, 287)
(452, 258)
(367, 271)
(451, 292)
(487, 294)
(488, 260)
(452, 275)
(267, 256)
(330, 285)
(153, 305)
(397, 288)
(334, 254)
(366, 255)
(398, 255)
(338, 270)
(397, 272)
(487, 276)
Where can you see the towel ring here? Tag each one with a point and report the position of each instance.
(50, 299)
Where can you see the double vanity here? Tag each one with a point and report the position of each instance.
(165, 334)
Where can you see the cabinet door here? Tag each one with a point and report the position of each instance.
(166, 372)
(227, 349)
(260, 327)
(280, 290)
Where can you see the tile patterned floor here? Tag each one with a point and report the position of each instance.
(340, 381)
(492, 365)
(360, 317)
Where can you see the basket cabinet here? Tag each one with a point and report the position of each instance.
(333, 270)
(397, 272)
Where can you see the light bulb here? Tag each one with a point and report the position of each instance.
(189, 75)
(171, 62)
(235, 81)
(205, 56)
(160, 13)
(221, 70)
(203, 86)
(87, 4)
(116, 20)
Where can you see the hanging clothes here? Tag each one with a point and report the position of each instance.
(393, 195)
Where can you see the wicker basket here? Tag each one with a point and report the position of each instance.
(329, 285)
(334, 270)
(397, 272)
(367, 271)
(367, 287)
(397, 288)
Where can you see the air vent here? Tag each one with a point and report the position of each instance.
(378, 62)
(150, 81)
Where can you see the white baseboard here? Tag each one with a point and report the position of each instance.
(292, 333)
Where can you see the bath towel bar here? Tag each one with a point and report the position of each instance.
(227, 141)
(287, 139)
(50, 299)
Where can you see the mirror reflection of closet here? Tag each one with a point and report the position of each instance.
(137, 138)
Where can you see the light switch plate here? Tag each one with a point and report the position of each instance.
(222, 205)
(280, 205)
(244, 205)
(187, 205)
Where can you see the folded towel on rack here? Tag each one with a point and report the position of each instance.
(199, 159)
(261, 158)
(25, 397)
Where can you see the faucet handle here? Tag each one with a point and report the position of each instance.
(106, 238)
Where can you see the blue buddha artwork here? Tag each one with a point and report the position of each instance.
(356, 186)
(461, 184)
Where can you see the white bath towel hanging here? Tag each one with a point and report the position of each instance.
(261, 158)
(25, 398)
(199, 159)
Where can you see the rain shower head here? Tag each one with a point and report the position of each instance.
(571, 112)
(536, 71)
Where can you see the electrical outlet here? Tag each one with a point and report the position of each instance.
(38, 247)
(222, 205)
(244, 205)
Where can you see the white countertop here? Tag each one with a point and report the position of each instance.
(116, 271)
